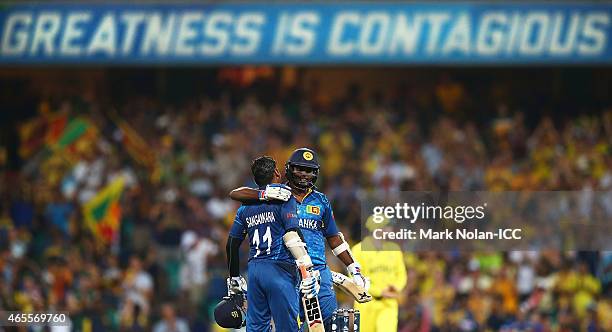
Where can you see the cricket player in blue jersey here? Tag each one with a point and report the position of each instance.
(316, 221)
(276, 246)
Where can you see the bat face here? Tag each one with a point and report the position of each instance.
(312, 309)
(363, 297)
(349, 287)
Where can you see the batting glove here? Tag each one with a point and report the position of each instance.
(310, 286)
(275, 191)
(359, 279)
(236, 285)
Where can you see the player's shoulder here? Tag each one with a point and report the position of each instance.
(292, 201)
(250, 208)
(320, 196)
(241, 209)
(318, 193)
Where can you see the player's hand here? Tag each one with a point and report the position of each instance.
(275, 191)
(309, 287)
(236, 285)
(390, 293)
(358, 278)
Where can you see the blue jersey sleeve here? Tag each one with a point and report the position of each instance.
(329, 222)
(239, 229)
(289, 214)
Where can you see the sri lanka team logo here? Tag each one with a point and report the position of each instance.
(313, 209)
(307, 155)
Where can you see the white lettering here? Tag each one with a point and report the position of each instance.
(302, 29)
(369, 43)
(45, 31)
(158, 34)
(406, 34)
(21, 35)
(459, 36)
(104, 38)
(436, 22)
(216, 28)
(73, 31)
(489, 40)
(261, 218)
(186, 33)
(131, 20)
(336, 46)
(248, 29)
(535, 24)
(595, 27)
(513, 35)
(565, 46)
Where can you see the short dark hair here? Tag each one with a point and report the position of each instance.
(263, 170)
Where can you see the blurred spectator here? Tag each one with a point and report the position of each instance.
(59, 212)
(137, 294)
(22, 209)
(170, 322)
(196, 252)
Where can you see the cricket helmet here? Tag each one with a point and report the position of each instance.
(230, 313)
(302, 168)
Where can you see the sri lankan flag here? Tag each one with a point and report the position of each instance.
(102, 213)
(313, 209)
(56, 127)
(32, 136)
(70, 139)
(138, 148)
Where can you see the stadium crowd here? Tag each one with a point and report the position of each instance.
(166, 269)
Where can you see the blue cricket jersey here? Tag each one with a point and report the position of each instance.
(316, 220)
(266, 223)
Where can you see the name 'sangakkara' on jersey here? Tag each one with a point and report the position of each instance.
(316, 220)
(266, 223)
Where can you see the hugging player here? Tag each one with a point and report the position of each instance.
(317, 223)
(275, 247)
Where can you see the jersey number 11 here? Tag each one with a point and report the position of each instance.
(267, 237)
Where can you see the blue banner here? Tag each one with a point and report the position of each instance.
(312, 33)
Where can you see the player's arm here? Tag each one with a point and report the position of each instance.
(401, 277)
(294, 241)
(275, 191)
(235, 283)
(358, 286)
(336, 242)
(245, 194)
(232, 250)
(342, 250)
(348, 285)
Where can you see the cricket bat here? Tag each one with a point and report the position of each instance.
(312, 309)
(347, 285)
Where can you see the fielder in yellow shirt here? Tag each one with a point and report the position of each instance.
(387, 273)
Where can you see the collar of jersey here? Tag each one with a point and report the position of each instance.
(304, 198)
